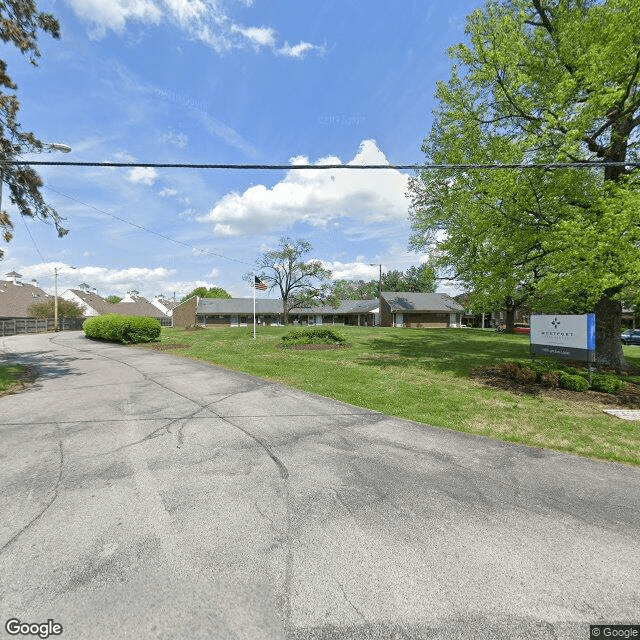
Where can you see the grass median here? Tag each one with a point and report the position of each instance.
(422, 375)
(13, 378)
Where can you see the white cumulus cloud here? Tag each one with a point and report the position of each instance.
(142, 175)
(317, 197)
(352, 270)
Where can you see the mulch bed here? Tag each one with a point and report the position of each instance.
(312, 347)
(629, 397)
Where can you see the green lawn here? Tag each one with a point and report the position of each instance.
(11, 376)
(423, 375)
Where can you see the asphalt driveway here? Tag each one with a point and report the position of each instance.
(148, 496)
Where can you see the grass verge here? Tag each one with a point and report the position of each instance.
(422, 375)
(14, 378)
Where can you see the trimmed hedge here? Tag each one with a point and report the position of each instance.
(123, 329)
(316, 335)
(572, 382)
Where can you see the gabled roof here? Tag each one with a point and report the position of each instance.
(169, 304)
(400, 301)
(15, 299)
(141, 306)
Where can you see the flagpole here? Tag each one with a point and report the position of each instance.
(254, 306)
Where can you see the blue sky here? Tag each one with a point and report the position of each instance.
(234, 81)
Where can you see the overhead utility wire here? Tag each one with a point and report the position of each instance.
(138, 226)
(297, 167)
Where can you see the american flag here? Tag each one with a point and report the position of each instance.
(258, 284)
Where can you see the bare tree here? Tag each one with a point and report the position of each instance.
(300, 283)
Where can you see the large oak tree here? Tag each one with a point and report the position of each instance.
(542, 81)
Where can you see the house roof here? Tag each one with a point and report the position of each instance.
(141, 306)
(169, 304)
(16, 298)
(244, 306)
(400, 301)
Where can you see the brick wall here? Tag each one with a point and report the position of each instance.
(184, 315)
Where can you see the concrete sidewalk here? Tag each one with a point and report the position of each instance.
(149, 496)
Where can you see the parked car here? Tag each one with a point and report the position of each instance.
(521, 328)
(517, 328)
(630, 336)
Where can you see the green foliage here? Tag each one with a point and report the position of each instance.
(113, 299)
(20, 24)
(9, 375)
(203, 292)
(315, 335)
(355, 289)
(539, 82)
(46, 309)
(607, 383)
(572, 382)
(416, 279)
(124, 329)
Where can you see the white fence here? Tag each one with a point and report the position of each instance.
(15, 326)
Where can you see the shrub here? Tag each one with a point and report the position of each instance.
(607, 383)
(549, 378)
(316, 335)
(124, 329)
(572, 382)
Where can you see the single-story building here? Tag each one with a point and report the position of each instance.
(238, 312)
(419, 310)
(393, 310)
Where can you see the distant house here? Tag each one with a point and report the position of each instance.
(419, 310)
(238, 312)
(16, 297)
(165, 305)
(131, 305)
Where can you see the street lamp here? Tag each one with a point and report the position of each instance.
(55, 298)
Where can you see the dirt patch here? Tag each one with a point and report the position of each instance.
(629, 397)
(168, 346)
(24, 380)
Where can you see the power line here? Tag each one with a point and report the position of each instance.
(32, 240)
(590, 164)
(138, 226)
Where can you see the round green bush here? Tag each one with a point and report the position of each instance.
(572, 382)
(124, 329)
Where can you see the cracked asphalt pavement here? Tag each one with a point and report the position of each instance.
(144, 495)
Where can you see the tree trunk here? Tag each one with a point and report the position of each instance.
(285, 312)
(608, 343)
(510, 320)
(510, 307)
